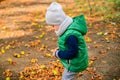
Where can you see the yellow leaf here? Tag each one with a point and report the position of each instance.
(88, 39)
(70, 14)
(7, 47)
(33, 60)
(36, 20)
(2, 51)
(34, 24)
(21, 77)
(42, 67)
(22, 52)
(100, 33)
(43, 46)
(43, 19)
(46, 39)
(7, 78)
(48, 55)
(16, 55)
(9, 60)
(41, 36)
(33, 72)
(90, 25)
(4, 28)
(90, 63)
(55, 72)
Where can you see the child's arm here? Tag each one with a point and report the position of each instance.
(72, 51)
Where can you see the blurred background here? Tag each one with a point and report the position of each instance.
(27, 42)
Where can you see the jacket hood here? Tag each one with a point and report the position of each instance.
(79, 24)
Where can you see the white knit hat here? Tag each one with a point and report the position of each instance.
(55, 15)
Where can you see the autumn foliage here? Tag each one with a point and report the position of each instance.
(27, 42)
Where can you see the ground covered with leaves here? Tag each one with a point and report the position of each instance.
(27, 43)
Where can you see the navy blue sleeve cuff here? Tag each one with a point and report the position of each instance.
(56, 54)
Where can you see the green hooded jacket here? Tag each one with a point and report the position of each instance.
(78, 28)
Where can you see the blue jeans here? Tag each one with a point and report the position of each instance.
(67, 75)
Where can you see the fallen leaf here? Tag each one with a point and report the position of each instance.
(90, 63)
(7, 78)
(34, 24)
(9, 60)
(33, 60)
(100, 33)
(108, 48)
(42, 67)
(48, 55)
(46, 39)
(4, 28)
(21, 77)
(55, 72)
(41, 36)
(17, 55)
(33, 72)
(88, 40)
(106, 33)
(80, 74)
(104, 61)
(93, 58)
(43, 19)
(7, 73)
(22, 52)
(102, 52)
(43, 46)
(2, 51)
(7, 47)
(90, 70)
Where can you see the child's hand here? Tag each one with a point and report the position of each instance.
(55, 51)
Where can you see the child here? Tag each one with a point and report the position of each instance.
(72, 50)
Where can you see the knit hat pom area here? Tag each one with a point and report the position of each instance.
(55, 15)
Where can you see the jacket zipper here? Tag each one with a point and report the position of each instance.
(68, 62)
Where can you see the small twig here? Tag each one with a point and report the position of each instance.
(90, 8)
